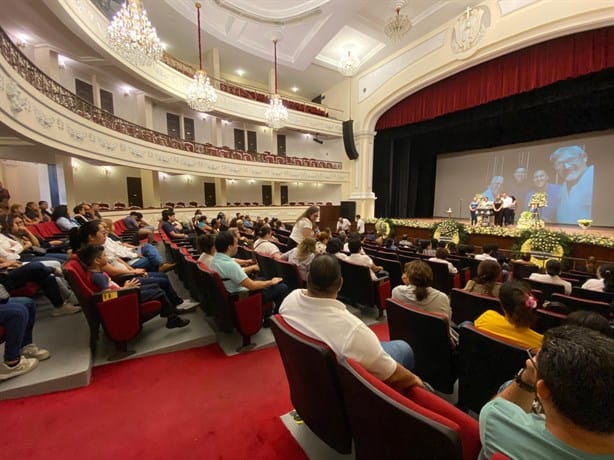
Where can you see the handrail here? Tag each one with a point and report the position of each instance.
(57, 93)
(246, 91)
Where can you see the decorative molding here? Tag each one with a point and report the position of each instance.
(469, 30)
(18, 101)
(22, 107)
(509, 6)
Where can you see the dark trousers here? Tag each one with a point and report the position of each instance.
(35, 272)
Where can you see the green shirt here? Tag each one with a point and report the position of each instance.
(507, 429)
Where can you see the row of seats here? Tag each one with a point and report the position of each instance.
(342, 403)
(229, 310)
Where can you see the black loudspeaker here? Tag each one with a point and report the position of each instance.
(348, 139)
(348, 210)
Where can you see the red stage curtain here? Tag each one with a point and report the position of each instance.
(521, 71)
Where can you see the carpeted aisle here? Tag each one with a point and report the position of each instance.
(190, 404)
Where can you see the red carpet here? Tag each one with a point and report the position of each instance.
(191, 404)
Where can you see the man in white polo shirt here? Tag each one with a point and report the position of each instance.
(318, 314)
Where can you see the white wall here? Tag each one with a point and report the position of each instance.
(25, 181)
(101, 183)
(183, 187)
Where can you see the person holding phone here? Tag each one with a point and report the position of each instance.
(575, 392)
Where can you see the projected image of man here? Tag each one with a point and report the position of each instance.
(576, 197)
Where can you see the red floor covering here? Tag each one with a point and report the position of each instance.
(191, 404)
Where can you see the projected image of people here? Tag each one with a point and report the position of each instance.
(576, 194)
(541, 184)
(494, 188)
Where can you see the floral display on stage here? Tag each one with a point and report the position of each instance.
(384, 227)
(543, 245)
(449, 230)
(512, 232)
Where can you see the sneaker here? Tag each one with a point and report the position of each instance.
(32, 351)
(25, 365)
(175, 321)
(187, 305)
(66, 309)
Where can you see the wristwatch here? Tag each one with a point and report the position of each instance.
(522, 384)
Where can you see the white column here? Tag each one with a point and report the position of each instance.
(362, 175)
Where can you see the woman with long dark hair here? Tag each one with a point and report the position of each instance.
(303, 227)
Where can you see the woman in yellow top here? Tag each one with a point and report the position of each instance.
(519, 307)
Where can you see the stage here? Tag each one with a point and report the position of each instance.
(578, 250)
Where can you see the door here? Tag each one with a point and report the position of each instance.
(210, 194)
(267, 195)
(284, 194)
(135, 191)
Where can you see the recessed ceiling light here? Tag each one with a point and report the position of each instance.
(240, 72)
(164, 45)
(294, 89)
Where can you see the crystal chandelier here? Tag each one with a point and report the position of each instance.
(132, 36)
(348, 65)
(276, 113)
(200, 94)
(398, 25)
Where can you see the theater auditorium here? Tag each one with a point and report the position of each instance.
(317, 229)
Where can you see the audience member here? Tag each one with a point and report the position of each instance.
(264, 244)
(441, 257)
(418, 291)
(591, 320)
(323, 239)
(572, 377)
(21, 355)
(5, 196)
(45, 213)
(519, 315)
(604, 281)
(168, 218)
(364, 260)
(14, 275)
(32, 214)
(235, 279)
(553, 270)
(62, 218)
(206, 246)
(134, 222)
(485, 283)
(334, 248)
(94, 258)
(302, 255)
(81, 213)
(316, 313)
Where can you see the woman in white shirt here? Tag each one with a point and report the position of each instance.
(604, 282)
(303, 227)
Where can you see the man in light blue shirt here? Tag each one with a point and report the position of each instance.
(234, 277)
(572, 377)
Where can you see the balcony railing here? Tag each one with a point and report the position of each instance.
(57, 93)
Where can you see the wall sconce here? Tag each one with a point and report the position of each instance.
(188, 180)
(107, 171)
(231, 181)
(21, 40)
(251, 181)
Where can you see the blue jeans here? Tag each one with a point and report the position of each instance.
(17, 316)
(401, 352)
(276, 293)
(151, 259)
